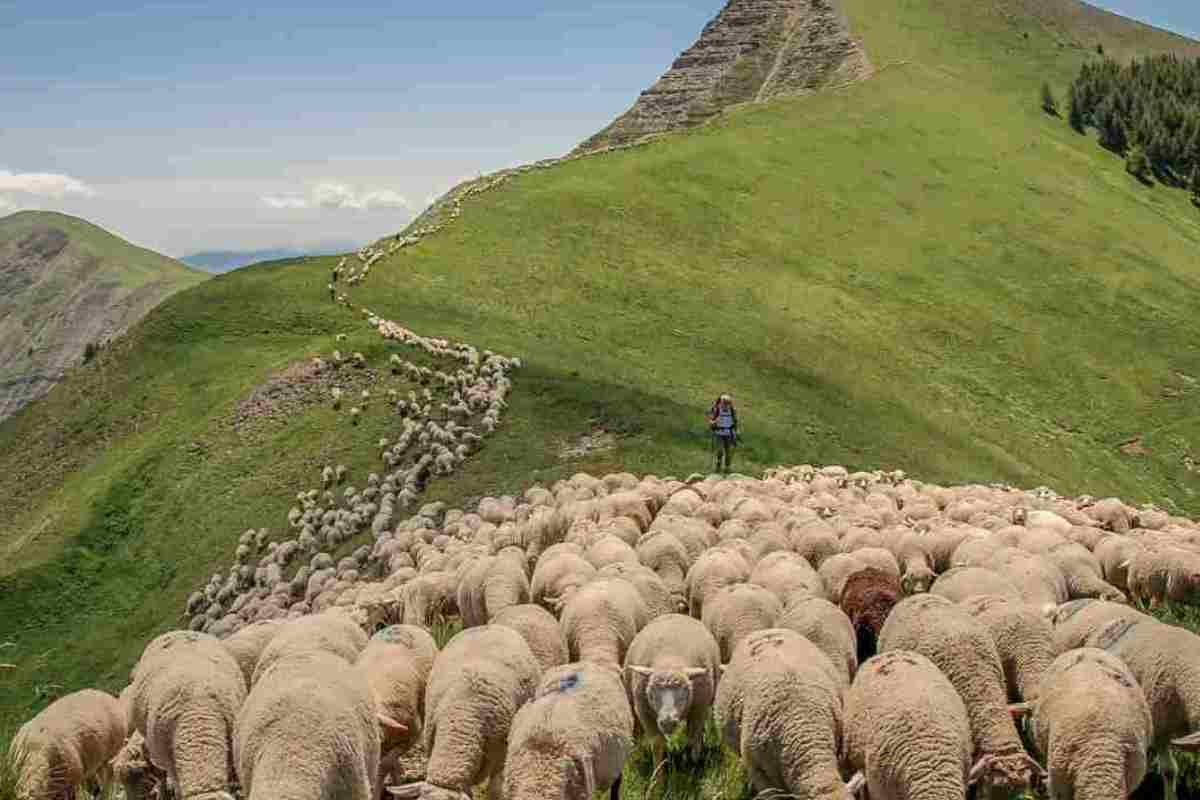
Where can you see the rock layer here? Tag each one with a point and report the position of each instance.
(753, 51)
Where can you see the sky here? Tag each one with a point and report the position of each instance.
(187, 126)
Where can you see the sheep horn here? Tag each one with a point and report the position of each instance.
(646, 671)
(1189, 743)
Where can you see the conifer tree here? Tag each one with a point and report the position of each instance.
(1049, 104)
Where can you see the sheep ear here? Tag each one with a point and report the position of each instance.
(409, 791)
(1189, 743)
(1125, 564)
(1018, 710)
(723, 668)
(643, 671)
(390, 726)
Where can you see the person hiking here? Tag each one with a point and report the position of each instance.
(723, 421)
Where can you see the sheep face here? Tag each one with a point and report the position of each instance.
(917, 580)
(669, 693)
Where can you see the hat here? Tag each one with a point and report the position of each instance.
(725, 398)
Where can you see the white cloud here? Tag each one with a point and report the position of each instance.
(8, 205)
(338, 196)
(43, 184)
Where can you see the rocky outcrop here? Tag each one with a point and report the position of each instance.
(64, 284)
(755, 50)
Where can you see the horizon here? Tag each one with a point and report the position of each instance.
(188, 128)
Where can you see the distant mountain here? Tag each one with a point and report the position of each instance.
(64, 284)
(219, 261)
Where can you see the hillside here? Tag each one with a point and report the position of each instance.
(919, 270)
(64, 284)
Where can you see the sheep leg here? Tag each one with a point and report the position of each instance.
(614, 793)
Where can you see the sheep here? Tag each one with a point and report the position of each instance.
(786, 575)
(737, 611)
(479, 681)
(539, 629)
(331, 632)
(600, 620)
(489, 586)
(958, 583)
(134, 773)
(1092, 727)
(962, 648)
(779, 706)
(68, 745)
(1024, 640)
(572, 739)
(187, 689)
(907, 730)
(309, 728)
(655, 595)
(429, 596)
(715, 569)
(247, 644)
(672, 667)
(556, 575)
(867, 599)
(1164, 573)
(666, 555)
(824, 624)
(1082, 572)
(396, 664)
(1074, 622)
(1165, 660)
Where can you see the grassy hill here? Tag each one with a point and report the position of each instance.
(64, 284)
(922, 270)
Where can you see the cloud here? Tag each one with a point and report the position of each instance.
(8, 205)
(43, 184)
(332, 195)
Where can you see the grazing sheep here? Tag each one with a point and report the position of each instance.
(1164, 573)
(907, 730)
(187, 689)
(67, 745)
(1024, 640)
(663, 553)
(429, 596)
(824, 624)
(1076, 621)
(396, 664)
(779, 706)
(672, 667)
(247, 644)
(309, 729)
(715, 569)
(736, 611)
(958, 583)
(540, 630)
(479, 681)
(1165, 660)
(556, 576)
(963, 650)
(572, 739)
(1092, 727)
(787, 575)
(867, 599)
(488, 586)
(600, 620)
(331, 632)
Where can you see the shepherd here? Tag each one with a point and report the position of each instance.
(723, 422)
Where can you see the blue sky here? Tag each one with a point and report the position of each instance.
(188, 126)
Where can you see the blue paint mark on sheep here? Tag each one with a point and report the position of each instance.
(569, 683)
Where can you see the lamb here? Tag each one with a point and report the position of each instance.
(479, 681)
(962, 649)
(1092, 727)
(1165, 660)
(1024, 640)
(572, 740)
(737, 611)
(779, 706)
(309, 729)
(489, 586)
(600, 620)
(187, 689)
(672, 667)
(332, 632)
(907, 730)
(824, 624)
(68, 745)
(540, 630)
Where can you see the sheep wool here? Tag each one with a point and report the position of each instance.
(601, 619)
(540, 630)
(737, 611)
(1023, 638)
(572, 740)
(331, 632)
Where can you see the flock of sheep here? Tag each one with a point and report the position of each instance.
(848, 633)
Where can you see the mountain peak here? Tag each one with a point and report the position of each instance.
(753, 51)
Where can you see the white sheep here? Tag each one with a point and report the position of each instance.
(68, 745)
